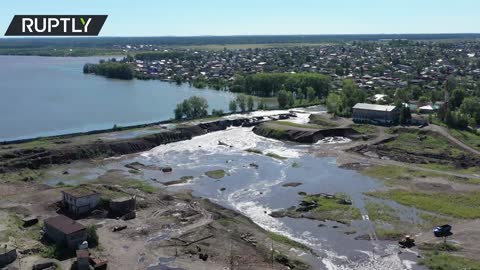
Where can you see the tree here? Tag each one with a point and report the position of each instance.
(178, 112)
(351, 94)
(402, 95)
(423, 99)
(333, 101)
(232, 106)
(194, 107)
(471, 107)
(242, 102)
(310, 93)
(250, 103)
(199, 106)
(291, 99)
(217, 112)
(457, 98)
(109, 69)
(92, 236)
(187, 109)
(261, 105)
(282, 98)
(405, 114)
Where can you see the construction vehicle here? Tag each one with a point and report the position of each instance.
(407, 242)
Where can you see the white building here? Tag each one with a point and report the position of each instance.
(80, 200)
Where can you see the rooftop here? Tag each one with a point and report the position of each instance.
(374, 107)
(79, 192)
(122, 199)
(64, 224)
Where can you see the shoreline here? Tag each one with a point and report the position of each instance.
(144, 125)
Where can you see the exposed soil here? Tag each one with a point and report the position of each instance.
(57, 150)
(382, 150)
(302, 135)
(168, 227)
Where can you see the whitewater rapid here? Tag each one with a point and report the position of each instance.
(198, 151)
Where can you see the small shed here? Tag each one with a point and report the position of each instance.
(123, 205)
(29, 221)
(65, 231)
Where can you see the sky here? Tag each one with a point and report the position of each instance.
(260, 17)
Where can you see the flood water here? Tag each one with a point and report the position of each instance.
(256, 191)
(43, 96)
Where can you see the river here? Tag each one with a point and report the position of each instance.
(258, 190)
(44, 96)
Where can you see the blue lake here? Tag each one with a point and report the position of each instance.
(43, 96)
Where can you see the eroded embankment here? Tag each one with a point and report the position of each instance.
(302, 135)
(66, 152)
(420, 147)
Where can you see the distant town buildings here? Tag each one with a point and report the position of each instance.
(381, 65)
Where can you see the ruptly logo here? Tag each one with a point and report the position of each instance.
(56, 25)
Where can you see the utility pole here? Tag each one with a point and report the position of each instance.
(272, 254)
(176, 251)
(231, 256)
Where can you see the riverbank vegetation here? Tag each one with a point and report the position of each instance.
(303, 85)
(461, 205)
(397, 176)
(392, 223)
(322, 121)
(341, 103)
(192, 108)
(110, 69)
(445, 261)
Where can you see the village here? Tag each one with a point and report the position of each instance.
(395, 103)
(376, 66)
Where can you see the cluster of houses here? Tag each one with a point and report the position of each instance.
(375, 65)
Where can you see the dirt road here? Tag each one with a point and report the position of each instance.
(444, 131)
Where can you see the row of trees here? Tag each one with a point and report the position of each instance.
(197, 107)
(270, 84)
(242, 103)
(111, 69)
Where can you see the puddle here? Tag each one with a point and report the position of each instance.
(163, 264)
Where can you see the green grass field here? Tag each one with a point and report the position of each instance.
(365, 129)
(320, 120)
(465, 205)
(445, 261)
(430, 143)
(397, 176)
(466, 137)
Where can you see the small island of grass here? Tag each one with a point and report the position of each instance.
(216, 174)
(323, 206)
